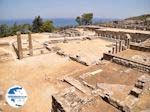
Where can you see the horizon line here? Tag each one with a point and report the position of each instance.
(58, 18)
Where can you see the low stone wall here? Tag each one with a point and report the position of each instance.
(4, 43)
(65, 40)
(1, 95)
(61, 53)
(56, 106)
(126, 62)
(131, 64)
(69, 101)
(79, 60)
(76, 58)
(116, 103)
(107, 39)
(141, 37)
(108, 57)
(139, 48)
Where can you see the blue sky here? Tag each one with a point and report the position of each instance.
(26, 9)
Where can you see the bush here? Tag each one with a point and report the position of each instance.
(47, 26)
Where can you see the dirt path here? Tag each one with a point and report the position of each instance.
(38, 75)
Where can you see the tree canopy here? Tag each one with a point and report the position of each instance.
(47, 26)
(79, 20)
(4, 30)
(85, 19)
(38, 25)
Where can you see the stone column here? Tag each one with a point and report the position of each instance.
(19, 44)
(113, 50)
(112, 36)
(120, 45)
(30, 44)
(128, 40)
(128, 43)
(119, 37)
(102, 35)
(115, 37)
(116, 47)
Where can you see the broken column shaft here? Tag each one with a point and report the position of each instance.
(128, 43)
(120, 45)
(30, 44)
(113, 50)
(128, 39)
(19, 44)
(116, 47)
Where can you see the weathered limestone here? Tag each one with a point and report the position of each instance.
(65, 40)
(69, 101)
(61, 53)
(116, 46)
(138, 89)
(113, 50)
(30, 44)
(88, 74)
(120, 46)
(124, 47)
(128, 40)
(58, 100)
(127, 62)
(42, 51)
(139, 48)
(19, 43)
(122, 41)
(1, 94)
(116, 103)
(79, 59)
(141, 82)
(136, 92)
(77, 85)
(131, 64)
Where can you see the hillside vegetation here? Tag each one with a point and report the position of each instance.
(142, 17)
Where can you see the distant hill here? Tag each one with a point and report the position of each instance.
(140, 18)
(141, 22)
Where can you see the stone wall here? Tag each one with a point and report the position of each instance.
(136, 37)
(126, 62)
(56, 106)
(139, 37)
(116, 103)
(108, 57)
(15, 49)
(139, 48)
(1, 95)
(4, 43)
(131, 64)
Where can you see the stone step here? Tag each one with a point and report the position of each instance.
(135, 92)
(130, 101)
(77, 85)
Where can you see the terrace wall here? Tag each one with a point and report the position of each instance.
(127, 62)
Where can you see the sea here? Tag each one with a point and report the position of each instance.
(58, 22)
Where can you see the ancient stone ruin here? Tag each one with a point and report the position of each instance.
(82, 69)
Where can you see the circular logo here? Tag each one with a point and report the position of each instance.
(16, 96)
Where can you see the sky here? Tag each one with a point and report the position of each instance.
(28, 9)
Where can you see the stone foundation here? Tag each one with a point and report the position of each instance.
(139, 48)
(131, 64)
(126, 62)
